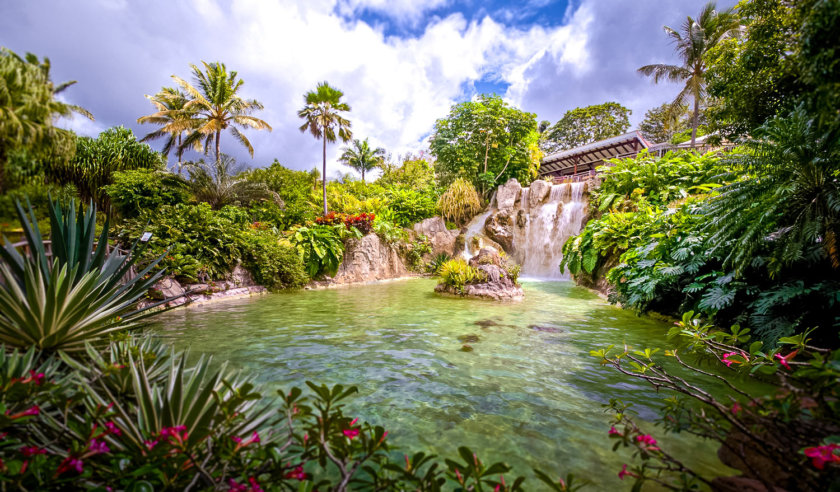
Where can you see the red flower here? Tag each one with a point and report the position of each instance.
(150, 444)
(784, 360)
(113, 429)
(179, 433)
(37, 378)
(98, 447)
(647, 439)
(736, 408)
(614, 432)
(29, 451)
(240, 443)
(296, 474)
(70, 463)
(33, 410)
(623, 473)
(820, 455)
(351, 433)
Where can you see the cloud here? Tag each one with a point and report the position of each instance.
(397, 85)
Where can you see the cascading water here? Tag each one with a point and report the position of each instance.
(539, 232)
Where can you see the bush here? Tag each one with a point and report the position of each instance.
(146, 189)
(460, 203)
(410, 206)
(437, 263)
(320, 248)
(271, 263)
(457, 273)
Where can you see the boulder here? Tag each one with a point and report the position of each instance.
(486, 256)
(496, 285)
(241, 277)
(499, 228)
(507, 194)
(369, 259)
(521, 219)
(441, 239)
(167, 288)
(540, 190)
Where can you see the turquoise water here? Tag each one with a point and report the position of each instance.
(528, 393)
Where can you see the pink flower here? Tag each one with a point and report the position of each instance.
(613, 431)
(384, 435)
(33, 410)
(351, 433)
(241, 443)
(296, 473)
(255, 487)
(179, 432)
(150, 444)
(30, 451)
(70, 463)
(736, 408)
(647, 439)
(784, 360)
(234, 486)
(728, 362)
(458, 474)
(353, 422)
(820, 455)
(623, 473)
(37, 378)
(98, 447)
(113, 429)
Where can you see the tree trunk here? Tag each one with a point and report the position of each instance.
(218, 136)
(363, 175)
(180, 154)
(324, 175)
(695, 120)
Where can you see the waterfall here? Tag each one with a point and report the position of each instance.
(539, 232)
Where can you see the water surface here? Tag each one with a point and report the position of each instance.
(528, 393)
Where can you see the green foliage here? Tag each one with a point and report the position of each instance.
(437, 262)
(272, 263)
(408, 206)
(292, 187)
(663, 122)
(362, 157)
(73, 296)
(460, 202)
(581, 126)
(486, 136)
(39, 196)
(415, 252)
(174, 116)
(457, 273)
(320, 247)
(134, 191)
(221, 183)
(98, 159)
(413, 173)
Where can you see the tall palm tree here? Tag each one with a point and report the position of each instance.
(692, 44)
(361, 157)
(216, 107)
(172, 117)
(322, 114)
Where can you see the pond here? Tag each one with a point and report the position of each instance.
(528, 393)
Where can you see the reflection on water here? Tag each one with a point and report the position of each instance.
(528, 393)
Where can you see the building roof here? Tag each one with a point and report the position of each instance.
(610, 148)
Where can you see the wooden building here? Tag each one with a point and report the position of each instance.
(580, 162)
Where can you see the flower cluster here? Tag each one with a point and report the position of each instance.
(363, 221)
(331, 218)
(822, 455)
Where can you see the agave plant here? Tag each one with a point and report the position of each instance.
(77, 293)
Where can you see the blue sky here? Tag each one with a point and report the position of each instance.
(401, 63)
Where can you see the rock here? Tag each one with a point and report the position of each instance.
(486, 256)
(441, 239)
(499, 228)
(468, 338)
(241, 277)
(507, 194)
(496, 284)
(559, 209)
(166, 288)
(540, 190)
(521, 218)
(497, 291)
(369, 259)
(546, 328)
(466, 348)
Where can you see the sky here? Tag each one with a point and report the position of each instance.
(401, 63)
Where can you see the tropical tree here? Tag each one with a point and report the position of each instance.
(322, 114)
(692, 44)
(581, 126)
(29, 109)
(361, 157)
(174, 119)
(663, 122)
(215, 107)
(222, 182)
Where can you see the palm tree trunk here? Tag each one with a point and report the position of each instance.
(363, 175)
(695, 120)
(218, 137)
(180, 154)
(324, 176)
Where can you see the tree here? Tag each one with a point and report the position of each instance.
(222, 183)
(29, 109)
(486, 141)
(323, 118)
(361, 157)
(581, 126)
(173, 117)
(663, 122)
(698, 37)
(97, 159)
(215, 107)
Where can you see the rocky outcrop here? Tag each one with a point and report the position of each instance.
(497, 283)
(369, 259)
(508, 194)
(499, 228)
(239, 285)
(441, 239)
(538, 192)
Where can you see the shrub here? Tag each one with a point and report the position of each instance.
(410, 206)
(147, 189)
(363, 222)
(271, 263)
(437, 263)
(320, 248)
(457, 273)
(460, 203)
(415, 252)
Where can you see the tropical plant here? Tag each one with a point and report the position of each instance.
(486, 141)
(692, 45)
(581, 126)
(29, 109)
(408, 206)
(272, 263)
(174, 118)
(361, 157)
(134, 191)
(437, 262)
(215, 106)
(460, 202)
(76, 294)
(320, 247)
(457, 273)
(221, 183)
(293, 188)
(97, 160)
(323, 118)
(661, 123)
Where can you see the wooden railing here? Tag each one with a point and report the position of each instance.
(23, 247)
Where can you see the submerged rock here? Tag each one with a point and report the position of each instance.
(468, 338)
(546, 328)
(466, 348)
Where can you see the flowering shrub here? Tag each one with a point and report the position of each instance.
(331, 218)
(363, 222)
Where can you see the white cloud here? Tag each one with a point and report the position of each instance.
(399, 10)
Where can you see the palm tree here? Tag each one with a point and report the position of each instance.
(173, 118)
(215, 107)
(222, 183)
(322, 115)
(362, 158)
(697, 38)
